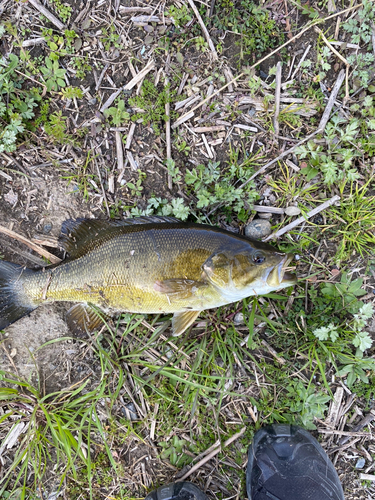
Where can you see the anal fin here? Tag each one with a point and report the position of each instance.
(83, 318)
(182, 321)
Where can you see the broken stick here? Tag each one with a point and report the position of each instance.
(277, 98)
(331, 101)
(47, 14)
(41, 251)
(212, 454)
(204, 29)
(298, 221)
(168, 133)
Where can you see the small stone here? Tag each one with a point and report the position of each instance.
(238, 319)
(291, 211)
(130, 412)
(47, 228)
(264, 215)
(258, 229)
(360, 463)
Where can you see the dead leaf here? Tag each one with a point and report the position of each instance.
(77, 43)
(11, 197)
(180, 58)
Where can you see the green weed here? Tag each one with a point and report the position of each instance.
(55, 127)
(180, 15)
(117, 114)
(182, 146)
(16, 105)
(136, 187)
(335, 161)
(63, 10)
(81, 66)
(71, 93)
(110, 38)
(152, 104)
(257, 31)
(53, 75)
(212, 187)
(355, 222)
(60, 44)
(82, 178)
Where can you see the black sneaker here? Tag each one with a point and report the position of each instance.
(287, 463)
(177, 491)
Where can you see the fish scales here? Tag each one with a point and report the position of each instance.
(119, 272)
(145, 265)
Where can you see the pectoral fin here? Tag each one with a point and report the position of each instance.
(178, 288)
(182, 321)
(83, 318)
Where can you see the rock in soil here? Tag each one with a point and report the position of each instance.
(258, 229)
(292, 211)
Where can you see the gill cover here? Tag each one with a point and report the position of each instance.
(228, 270)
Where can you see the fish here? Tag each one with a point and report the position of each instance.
(145, 265)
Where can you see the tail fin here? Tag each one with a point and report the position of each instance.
(14, 303)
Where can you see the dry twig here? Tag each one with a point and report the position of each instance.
(204, 29)
(140, 76)
(47, 14)
(298, 221)
(277, 98)
(212, 454)
(168, 133)
(119, 151)
(342, 58)
(365, 421)
(41, 251)
(130, 136)
(331, 102)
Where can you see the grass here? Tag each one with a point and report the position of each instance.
(285, 356)
(356, 221)
(58, 428)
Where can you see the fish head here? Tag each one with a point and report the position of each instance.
(249, 271)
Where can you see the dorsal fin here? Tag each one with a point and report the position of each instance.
(78, 235)
(149, 219)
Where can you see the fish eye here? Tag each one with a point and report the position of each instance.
(258, 257)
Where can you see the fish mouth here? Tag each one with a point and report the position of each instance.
(280, 275)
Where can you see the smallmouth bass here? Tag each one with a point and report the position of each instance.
(147, 265)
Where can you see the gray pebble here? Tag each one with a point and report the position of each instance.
(238, 319)
(258, 229)
(292, 211)
(360, 463)
(264, 215)
(130, 412)
(47, 228)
